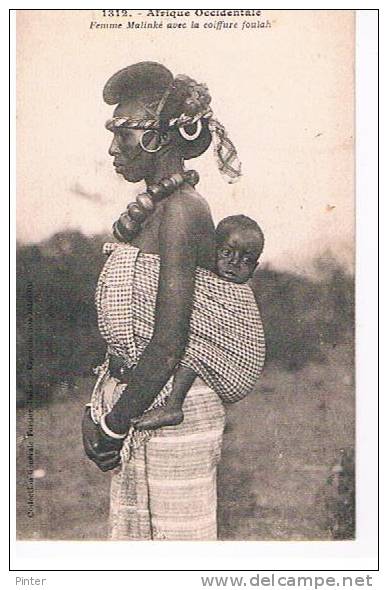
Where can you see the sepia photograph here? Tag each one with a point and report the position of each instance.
(185, 266)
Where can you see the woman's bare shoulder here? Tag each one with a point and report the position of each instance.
(186, 201)
(187, 224)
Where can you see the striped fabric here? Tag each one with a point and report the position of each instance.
(226, 346)
(167, 489)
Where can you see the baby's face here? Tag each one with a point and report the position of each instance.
(237, 255)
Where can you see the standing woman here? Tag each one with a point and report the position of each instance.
(167, 488)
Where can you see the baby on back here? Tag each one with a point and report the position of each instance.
(239, 244)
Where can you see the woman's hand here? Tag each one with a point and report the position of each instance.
(103, 450)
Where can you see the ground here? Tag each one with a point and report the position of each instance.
(285, 473)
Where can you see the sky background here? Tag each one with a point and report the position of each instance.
(285, 95)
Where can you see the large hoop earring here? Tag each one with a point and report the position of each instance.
(146, 148)
(191, 136)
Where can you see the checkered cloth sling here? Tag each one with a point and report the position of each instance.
(226, 346)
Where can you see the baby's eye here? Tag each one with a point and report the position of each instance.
(225, 252)
(247, 260)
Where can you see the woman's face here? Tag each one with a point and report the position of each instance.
(130, 160)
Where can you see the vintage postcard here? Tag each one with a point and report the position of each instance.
(186, 275)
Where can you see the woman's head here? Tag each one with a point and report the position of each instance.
(149, 100)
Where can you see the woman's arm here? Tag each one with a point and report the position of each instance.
(178, 260)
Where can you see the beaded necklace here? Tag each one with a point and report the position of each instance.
(129, 224)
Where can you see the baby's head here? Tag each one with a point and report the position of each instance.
(239, 243)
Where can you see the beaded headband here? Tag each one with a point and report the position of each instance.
(154, 123)
(225, 152)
